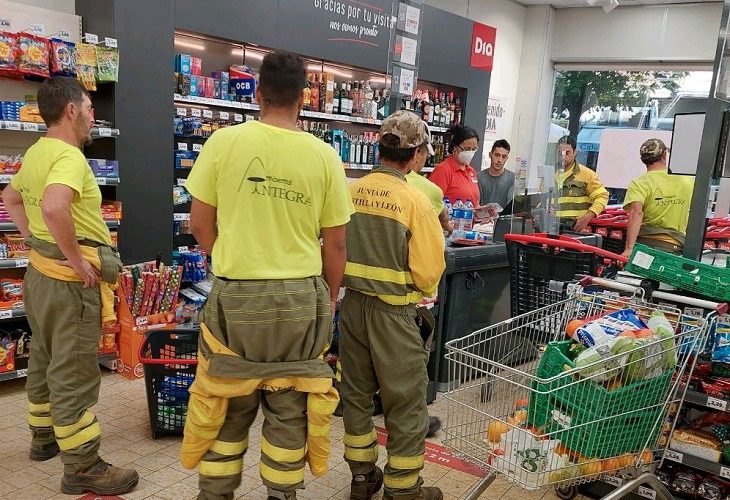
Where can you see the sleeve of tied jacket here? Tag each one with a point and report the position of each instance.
(597, 193)
(426, 252)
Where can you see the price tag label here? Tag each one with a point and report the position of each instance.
(182, 112)
(180, 217)
(37, 29)
(110, 42)
(21, 373)
(674, 456)
(6, 314)
(250, 118)
(207, 113)
(197, 148)
(64, 34)
(141, 321)
(717, 404)
(725, 472)
(6, 179)
(105, 132)
(30, 127)
(181, 182)
(181, 146)
(647, 493)
(22, 263)
(238, 117)
(195, 112)
(101, 181)
(12, 125)
(225, 115)
(182, 249)
(613, 481)
(91, 38)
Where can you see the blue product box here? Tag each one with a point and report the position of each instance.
(194, 85)
(104, 168)
(183, 64)
(216, 89)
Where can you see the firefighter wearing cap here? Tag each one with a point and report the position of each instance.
(657, 203)
(395, 257)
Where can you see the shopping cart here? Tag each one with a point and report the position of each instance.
(551, 422)
(612, 230)
(542, 267)
(170, 359)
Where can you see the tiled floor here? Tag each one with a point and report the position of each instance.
(127, 441)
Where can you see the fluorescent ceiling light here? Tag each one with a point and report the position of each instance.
(190, 45)
(327, 69)
(259, 56)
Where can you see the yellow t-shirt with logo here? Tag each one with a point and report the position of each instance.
(52, 161)
(274, 190)
(665, 200)
(431, 190)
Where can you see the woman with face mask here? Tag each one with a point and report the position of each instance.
(455, 176)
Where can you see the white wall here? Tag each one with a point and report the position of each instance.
(509, 19)
(66, 6)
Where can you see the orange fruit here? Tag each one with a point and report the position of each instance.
(573, 325)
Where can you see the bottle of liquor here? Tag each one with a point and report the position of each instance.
(354, 97)
(314, 94)
(368, 104)
(322, 93)
(386, 103)
(358, 150)
(307, 95)
(375, 154)
(353, 149)
(431, 110)
(347, 107)
(335, 101)
(365, 158)
(361, 97)
(341, 99)
(327, 135)
(452, 109)
(374, 105)
(444, 110)
(457, 111)
(436, 110)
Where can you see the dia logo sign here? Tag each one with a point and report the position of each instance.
(483, 39)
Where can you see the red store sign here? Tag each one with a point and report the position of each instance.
(483, 38)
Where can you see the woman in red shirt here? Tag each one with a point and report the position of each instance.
(456, 178)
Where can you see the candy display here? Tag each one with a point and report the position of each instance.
(8, 54)
(194, 264)
(150, 290)
(10, 164)
(107, 64)
(63, 57)
(86, 65)
(33, 55)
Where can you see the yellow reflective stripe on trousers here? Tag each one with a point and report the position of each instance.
(39, 408)
(360, 441)
(278, 454)
(378, 273)
(362, 454)
(284, 478)
(229, 448)
(406, 463)
(34, 421)
(401, 483)
(338, 372)
(219, 469)
(315, 430)
(63, 431)
(83, 436)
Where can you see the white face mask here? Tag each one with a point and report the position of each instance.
(466, 156)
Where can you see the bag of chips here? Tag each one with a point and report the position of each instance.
(34, 55)
(107, 64)
(8, 54)
(63, 57)
(86, 65)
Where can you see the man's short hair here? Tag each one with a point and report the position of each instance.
(389, 149)
(54, 95)
(569, 140)
(501, 143)
(282, 79)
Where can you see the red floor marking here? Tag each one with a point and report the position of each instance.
(91, 496)
(440, 455)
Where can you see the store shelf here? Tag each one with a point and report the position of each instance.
(178, 217)
(698, 463)
(96, 132)
(13, 263)
(15, 313)
(13, 375)
(107, 360)
(304, 114)
(358, 166)
(9, 226)
(101, 181)
(699, 398)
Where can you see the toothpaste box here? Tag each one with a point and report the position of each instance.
(104, 168)
(183, 64)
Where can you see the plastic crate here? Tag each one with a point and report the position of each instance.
(170, 358)
(619, 421)
(704, 279)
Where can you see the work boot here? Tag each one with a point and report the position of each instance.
(281, 495)
(43, 452)
(434, 425)
(100, 478)
(426, 493)
(364, 486)
(204, 495)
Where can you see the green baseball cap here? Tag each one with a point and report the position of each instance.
(409, 128)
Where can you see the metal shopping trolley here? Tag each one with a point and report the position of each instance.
(559, 421)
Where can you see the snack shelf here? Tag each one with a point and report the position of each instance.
(698, 463)
(106, 360)
(367, 166)
(13, 374)
(13, 263)
(96, 132)
(14, 313)
(9, 226)
(101, 181)
(702, 399)
(180, 99)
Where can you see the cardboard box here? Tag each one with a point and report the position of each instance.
(183, 64)
(209, 87)
(194, 86)
(104, 168)
(196, 66)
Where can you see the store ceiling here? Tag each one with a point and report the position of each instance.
(562, 4)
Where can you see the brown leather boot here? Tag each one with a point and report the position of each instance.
(43, 452)
(100, 478)
(365, 486)
(425, 493)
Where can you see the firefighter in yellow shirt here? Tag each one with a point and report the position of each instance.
(657, 203)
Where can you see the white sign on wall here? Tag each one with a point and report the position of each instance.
(496, 119)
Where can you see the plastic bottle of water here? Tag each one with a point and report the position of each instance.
(449, 209)
(457, 211)
(467, 216)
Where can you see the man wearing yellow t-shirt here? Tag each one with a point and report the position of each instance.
(657, 203)
(434, 195)
(55, 202)
(263, 193)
